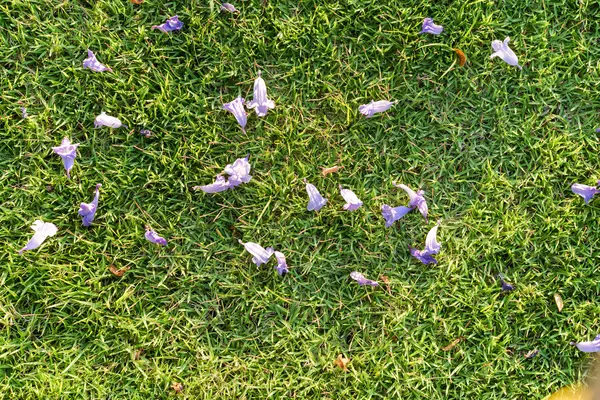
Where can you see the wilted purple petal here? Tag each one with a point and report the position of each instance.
(422, 256)
(368, 110)
(362, 281)
(281, 267)
(229, 7)
(315, 200)
(92, 63)
(260, 255)
(430, 27)
(416, 200)
(239, 171)
(506, 287)
(87, 211)
(352, 200)
(153, 237)
(220, 185)
(24, 114)
(106, 120)
(236, 107)
(502, 50)
(589, 347)
(393, 214)
(172, 24)
(431, 247)
(597, 130)
(585, 191)
(42, 231)
(67, 152)
(260, 101)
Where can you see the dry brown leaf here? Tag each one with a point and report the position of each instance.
(559, 302)
(453, 344)
(118, 272)
(342, 362)
(386, 280)
(137, 1)
(331, 170)
(177, 387)
(137, 354)
(462, 59)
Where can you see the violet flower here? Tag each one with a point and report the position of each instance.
(282, 267)
(506, 287)
(24, 114)
(67, 152)
(106, 120)
(229, 7)
(502, 50)
(92, 63)
(585, 191)
(589, 347)
(172, 24)
(352, 200)
(239, 172)
(430, 27)
(362, 281)
(236, 107)
(393, 214)
(87, 211)
(315, 200)
(431, 247)
(153, 237)
(368, 110)
(220, 185)
(42, 231)
(416, 200)
(260, 255)
(260, 101)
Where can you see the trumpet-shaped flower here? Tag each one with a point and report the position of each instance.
(370, 109)
(87, 211)
(260, 102)
(315, 200)
(585, 191)
(362, 281)
(42, 231)
(236, 107)
(106, 120)
(172, 24)
(502, 50)
(430, 27)
(352, 200)
(67, 152)
(282, 267)
(153, 237)
(92, 63)
(431, 247)
(260, 255)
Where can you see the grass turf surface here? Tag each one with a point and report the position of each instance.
(495, 149)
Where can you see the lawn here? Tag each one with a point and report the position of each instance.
(495, 149)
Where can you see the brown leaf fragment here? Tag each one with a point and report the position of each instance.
(177, 387)
(532, 353)
(452, 344)
(462, 59)
(342, 362)
(118, 272)
(559, 302)
(386, 281)
(137, 354)
(331, 170)
(137, 1)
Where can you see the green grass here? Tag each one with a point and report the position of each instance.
(495, 149)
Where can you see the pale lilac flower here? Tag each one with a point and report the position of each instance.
(282, 267)
(145, 133)
(352, 200)
(506, 287)
(153, 237)
(87, 211)
(239, 172)
(106, 120)
(315, 200)
(502, 50)
(430, 27)
(368, 110)
(42, 231)
(589, 347)
(236, 107)
(416, 200)
(92, 63)
(260, 255)
(172, 24)
(585, 191)
(393, 214)
(597, 130)
(220, 185)
(431, 247)
(362, 281)
(260, 101)
(68, 152)
(24, 114)
(229, 7)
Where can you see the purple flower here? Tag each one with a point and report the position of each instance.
(260, 255)
(220, 185)
(589, 347)
(229, 7)
(68, 152)
(315, 200)
(92, 63)
(260, 101)
(597, 130)
(393, 214)
(416, 200)
(506, 287)
(352, 201)
(106, 120)
(281, 267)
(172, 24)
(502, 50)
(87, 211)
(362, 281)
(431, 247)
(368, 110)
(236, 107)
(239, 172)
(24, 114)
(430, 27)
(585, 191)
(42, 231)
(153, 237)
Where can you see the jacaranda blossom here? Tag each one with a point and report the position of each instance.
(506, 287)
(281, 267)
(431, 247)
(24, 114)
(228, 7)
(368, 110)
(220, 185)
(260, 101)
(352, 200)
(236, 107)
(585, 191)
(92, 63)
(239, 172)
(106, 120)
(260, 255)
(87, 211)
(502, 50)
(430, 27)
(172, 24)
(416, 200)
(67, 152)
(589, 347)
(362, 281)
(42, 231)
(315, 200)
(153, 237)
(393, 214)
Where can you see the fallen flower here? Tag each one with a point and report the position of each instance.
(87, 211)
(330, 170)
(260, 101)
(236, 107)
(229, 7)
(431, 247)
(585, 191)
(589, 347)
(430, 27)
(362, 281)
(172, 24)
(220, 185)
(368, 110)
(393, 214)
(42, 231)
(502, 50)
(106, 120)
(92, 63)
(352, 201)
(24, 114)
(67, 152)
(260, 254)
(506, 287)
(153, 237)
(315, 200)
(281, 267)
(416, 200)
(239, 172)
